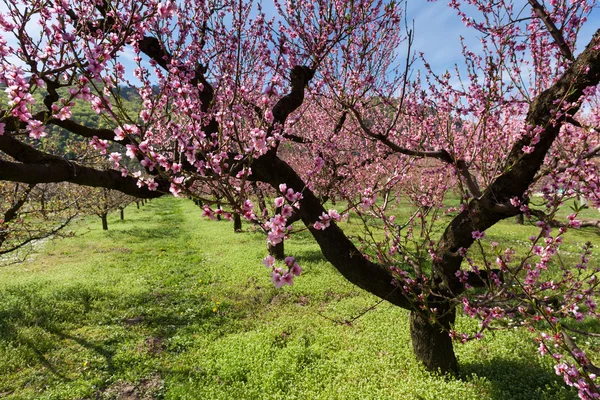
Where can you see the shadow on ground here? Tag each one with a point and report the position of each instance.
(517, 380)
(49, 330)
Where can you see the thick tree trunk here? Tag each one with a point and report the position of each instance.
(277, 251)
(237, 222)
(432, 344)
(104, 218)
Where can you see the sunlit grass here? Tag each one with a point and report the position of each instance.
(169, 305)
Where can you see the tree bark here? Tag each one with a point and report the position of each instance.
(237, 222)
(277, 251)
(520, 219)
(104, 219)
(431, 342)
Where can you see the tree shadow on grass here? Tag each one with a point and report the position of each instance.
(518, 380)
(43, 359)
(46, 329)
(589, 325)
(309, 256)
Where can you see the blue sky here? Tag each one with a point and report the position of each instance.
(438, 29)
(437, 33)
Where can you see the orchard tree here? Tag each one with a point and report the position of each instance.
(30, 212)
(102, 201)
(230, 95)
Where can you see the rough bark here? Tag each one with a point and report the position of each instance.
(520, 172)
(277, 250)
(520, 169)
(432, 344)
(334, 244)
(74, 173)
(104, 218)
(520, 219)
(237, 223)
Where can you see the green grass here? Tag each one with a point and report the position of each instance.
(169, 305)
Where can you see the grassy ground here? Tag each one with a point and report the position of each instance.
(168, 305)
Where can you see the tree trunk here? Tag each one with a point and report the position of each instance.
(431, 344)
(237, 222)
(104, 219)
(519, 219)
(261, 199)
(122, 210)
(349, 211)
(277, 251)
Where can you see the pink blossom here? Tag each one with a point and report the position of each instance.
(289, 261)
(335, 215)
(143, 146)
(152, 186)
(528, 149)
(369, 198)
(131, 151)
(36, 129)
(277, 280)
(287, 211)
(295, 269)
(119, 133)
(64, 113)
(99, 144)
(115, 158)
(269, 116)
(573, 222)
(478, 235)
(288, 279)
(208, 212)
(279, 201)
(269, 261)
(148, 163)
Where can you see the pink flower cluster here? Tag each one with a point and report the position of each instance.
(325, 220)
(278, 229)
(279, 276)
(477, 235)
(289, 193)
(369, 198)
